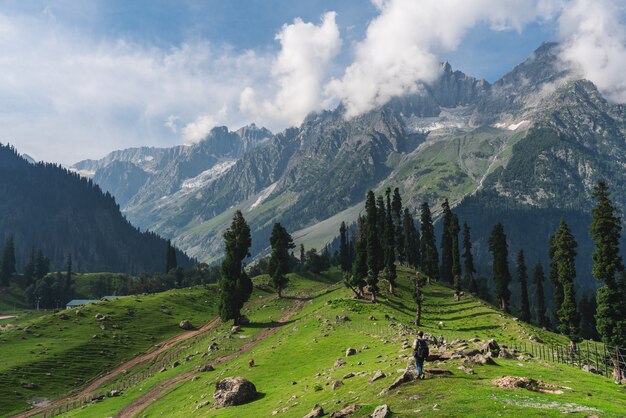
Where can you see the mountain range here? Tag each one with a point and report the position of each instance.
(525, 150)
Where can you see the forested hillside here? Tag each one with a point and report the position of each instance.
(48, 208)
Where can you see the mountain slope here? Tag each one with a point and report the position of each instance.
(46, 207)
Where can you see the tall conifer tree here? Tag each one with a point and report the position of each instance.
(411, 239)
(235, 287)
(456, 257)
(344, 249)
(468, 258)
(446, 244)
(390, 254)
(396, 206)
(428, 247)
(7, 268)
(564, 258)
(539, 279)
(281, 242)
(522, 275)
(607, 263)
(374, 249)
(359, 267)
(501, 275)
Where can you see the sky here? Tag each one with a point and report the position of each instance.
(79, 79)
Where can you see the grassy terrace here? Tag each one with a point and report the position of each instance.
(304, 350)
(57, 355)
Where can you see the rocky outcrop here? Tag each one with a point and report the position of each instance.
(234, 391)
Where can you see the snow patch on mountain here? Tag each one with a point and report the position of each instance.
(264, 195)
(458, 117)
(209, 175)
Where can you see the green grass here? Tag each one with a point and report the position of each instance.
(305, 349)
(58, 355)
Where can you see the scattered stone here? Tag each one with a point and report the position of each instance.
(372, 318)
(346, 411)
(438, 372)
(591, 369)
(64, 317)
(234, 391)
(436, 407)
(513, 382)
(379, 374)
(350, 352)
(293, 382)
(206, 368)
(342, 318)
(365, 347)
(381, 411)
(98, 398)
(186, 325)
(213, 347)
(316, 412)
(175, 364)
(100, 317)
(491, 346)
(235, 329)
(470, 353)
(466, 369)
(114, 393)
(163, 370)
(336, 385)
(349, 375)
(535, 339)
(482, 359)
(338, 363)
(505, 354)
(202, 404)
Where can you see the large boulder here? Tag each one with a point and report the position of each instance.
(186, 325)
(316, 412)
(350, 351)
(346, 411)
(234, 391)
(491, 346)
(381, 411)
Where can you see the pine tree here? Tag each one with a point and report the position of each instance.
(7, 268)
(68, 282)
(553, 276)
(539, 278)
(374, 249)
(411, 239)
(419, 282)
(171, 262)
(281, 242)
(446, 244)
(611, 310)
(501, 275)
(302, 254)
(428, 247)
(359, 267)
(380, 226)
(390, 255)
(587, 308)
(468, 258)
(522, 275)
(235, 286)
(456, 257)
(396, 206)
(564, 258)
(344, 249)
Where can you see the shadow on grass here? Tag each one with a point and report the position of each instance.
(474, 315)
(272, 324)
(483, 328)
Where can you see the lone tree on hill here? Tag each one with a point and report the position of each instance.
(235, 286)
(468, 262)
(564, 261)
(456, 257)
(7, 268)
(611, 312)
(418, 283)
(522, 275)
(428, 247)
(281, 242)
(501, 275)
(539, 278)
(170, 262)
(446, 244)
(390, 254)
(374, 250)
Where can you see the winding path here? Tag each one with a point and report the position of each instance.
(142, 402)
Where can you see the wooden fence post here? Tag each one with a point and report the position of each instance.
(606, 357)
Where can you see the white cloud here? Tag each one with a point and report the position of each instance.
(594, 42)
(65, 96)
(403, 44)
(199, 129)
(298, 72)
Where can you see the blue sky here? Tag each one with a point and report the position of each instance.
(82, 78)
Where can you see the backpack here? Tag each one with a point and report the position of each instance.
(421, 350)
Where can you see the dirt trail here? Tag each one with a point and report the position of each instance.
(99, 381)
(158, 390)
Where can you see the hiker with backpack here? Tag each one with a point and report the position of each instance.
(420, 352)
